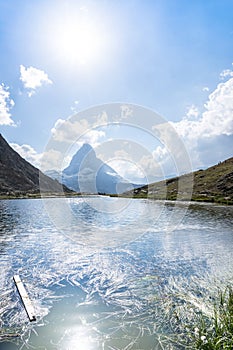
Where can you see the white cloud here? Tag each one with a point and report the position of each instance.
(134, 163)
(169, 165)
(151, 167)
(129, 158)
(48, 160)
(215, 123)
(28, 153)
(128, 170)
(33, 78)
(226, 73)
(6, 103)
(160, 153)
(70, 131)
(67, 130)
(217, 119)
(205, 88)
(92, 137)
(67, 137)
(53, 160)
(192, 112)
(126, 161)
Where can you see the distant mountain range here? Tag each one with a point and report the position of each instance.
(214, 184)
(18, 177)
(88, 174)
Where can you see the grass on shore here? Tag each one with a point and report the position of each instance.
(216, 333)
(212, 332)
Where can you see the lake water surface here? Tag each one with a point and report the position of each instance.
(107, 273)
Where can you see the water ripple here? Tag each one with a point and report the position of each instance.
(119, 297)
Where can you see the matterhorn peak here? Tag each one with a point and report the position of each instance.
(88, 174)
(86, 151)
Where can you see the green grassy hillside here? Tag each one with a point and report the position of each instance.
(214, 184)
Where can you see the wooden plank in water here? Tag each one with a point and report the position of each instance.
(25, 298)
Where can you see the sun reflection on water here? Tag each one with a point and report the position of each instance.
(79, 337)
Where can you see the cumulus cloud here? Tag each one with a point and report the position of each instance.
(125, 159)
(129, 158)
(206, 132)
(53, 160)
(215, 123)
(66, 130)
(48, 160)
(92, 137)
(67, 137)
(152, 168)
(167, 162)
(160, 153)
(28, 153)
(218, 117)
(128, 170)
(33, 78)
(77, 130)
(226, 73)
(6, 103)
(192, 112)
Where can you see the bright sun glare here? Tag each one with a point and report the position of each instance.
(76, 39)
(80, 42)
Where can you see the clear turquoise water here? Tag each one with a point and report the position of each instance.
(107, 273)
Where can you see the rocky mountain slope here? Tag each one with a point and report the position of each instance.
(18, 177)
(214, 184)
(88, 174)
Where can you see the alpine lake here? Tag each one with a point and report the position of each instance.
(110, 273)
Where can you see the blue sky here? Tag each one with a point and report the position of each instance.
(172, 56)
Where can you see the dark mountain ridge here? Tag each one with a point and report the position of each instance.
(19, 177)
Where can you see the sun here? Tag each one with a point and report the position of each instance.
(76, 39)
(80, 41)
